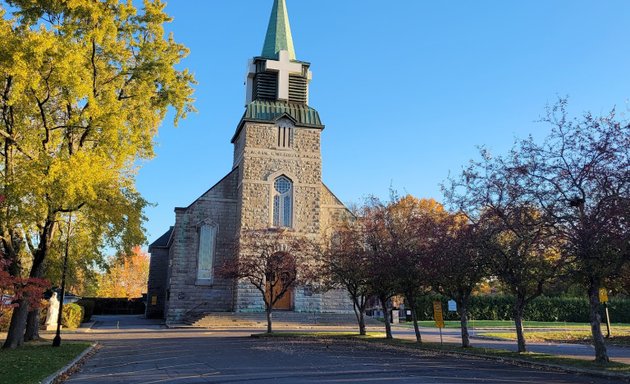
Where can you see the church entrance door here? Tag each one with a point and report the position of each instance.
(285, 303)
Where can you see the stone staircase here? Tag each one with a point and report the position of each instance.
(281, 319)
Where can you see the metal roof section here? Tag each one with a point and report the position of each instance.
(279, 37)
(267, 111)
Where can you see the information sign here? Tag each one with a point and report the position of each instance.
(437, 314)
(603, 295)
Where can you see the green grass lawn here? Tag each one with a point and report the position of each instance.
(34, 362)
(378, 338)
(620, 336)
(510, 324)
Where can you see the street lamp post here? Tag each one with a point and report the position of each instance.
(57, 339)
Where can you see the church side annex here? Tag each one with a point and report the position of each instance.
(275, 182)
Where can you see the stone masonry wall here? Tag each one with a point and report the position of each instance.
(188, 297)
(158, 273)
(262, 162)
(333, 211)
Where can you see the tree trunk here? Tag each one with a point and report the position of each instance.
(25, 325)
(15, 336)
(37, 271)
(359, 312)
(463, 314)
(32, 326)
(411, 300)
(601, 354)
(416, 328)
(362, 330)
(388, 325)
(519, 309)
(269, 330)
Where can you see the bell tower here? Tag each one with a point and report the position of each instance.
(276, 74)
(277, 145)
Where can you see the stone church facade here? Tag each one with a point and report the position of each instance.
(276, 181)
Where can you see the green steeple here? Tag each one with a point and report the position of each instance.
(278, 33)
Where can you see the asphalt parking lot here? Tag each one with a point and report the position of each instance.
(146, 353)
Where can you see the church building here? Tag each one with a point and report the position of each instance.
(275, 181)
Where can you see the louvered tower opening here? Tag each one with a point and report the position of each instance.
(298, 89)
(266, 86)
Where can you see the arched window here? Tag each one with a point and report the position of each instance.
(283, 202)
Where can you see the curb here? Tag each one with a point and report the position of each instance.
(52, 378)
(86, 327)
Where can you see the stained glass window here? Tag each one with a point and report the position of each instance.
(283, 202)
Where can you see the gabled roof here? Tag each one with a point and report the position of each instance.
(163, 241)
(209, 190)
(279, 36)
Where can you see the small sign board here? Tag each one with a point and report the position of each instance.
(452, 306)
(437, 314)
(603, 295)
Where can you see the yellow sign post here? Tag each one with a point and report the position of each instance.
(603, 295)
(437, 314)
(438, 317)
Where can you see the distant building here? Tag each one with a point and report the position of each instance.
(275, 182)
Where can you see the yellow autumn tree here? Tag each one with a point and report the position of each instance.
(84, 86)
(127, 276)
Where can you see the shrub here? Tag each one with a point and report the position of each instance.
(5, 317)
(88, 309)
(43, 313)
(72, 316)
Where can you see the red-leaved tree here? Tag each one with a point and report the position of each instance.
(580, 178)
(15, 290)
(346, 265)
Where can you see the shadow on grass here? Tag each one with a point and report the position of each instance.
(36, 361)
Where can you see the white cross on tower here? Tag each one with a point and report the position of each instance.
(284, 67)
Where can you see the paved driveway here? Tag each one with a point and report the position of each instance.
(138, 352)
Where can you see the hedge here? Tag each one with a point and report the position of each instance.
(117, 306)
(88, 309)
(499, 307)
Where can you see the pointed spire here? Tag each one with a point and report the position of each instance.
(278, 33)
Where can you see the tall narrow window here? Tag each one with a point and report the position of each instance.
(285, 137)
(283, 202)
(205, 258)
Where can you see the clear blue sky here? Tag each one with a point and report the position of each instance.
(407, 88)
